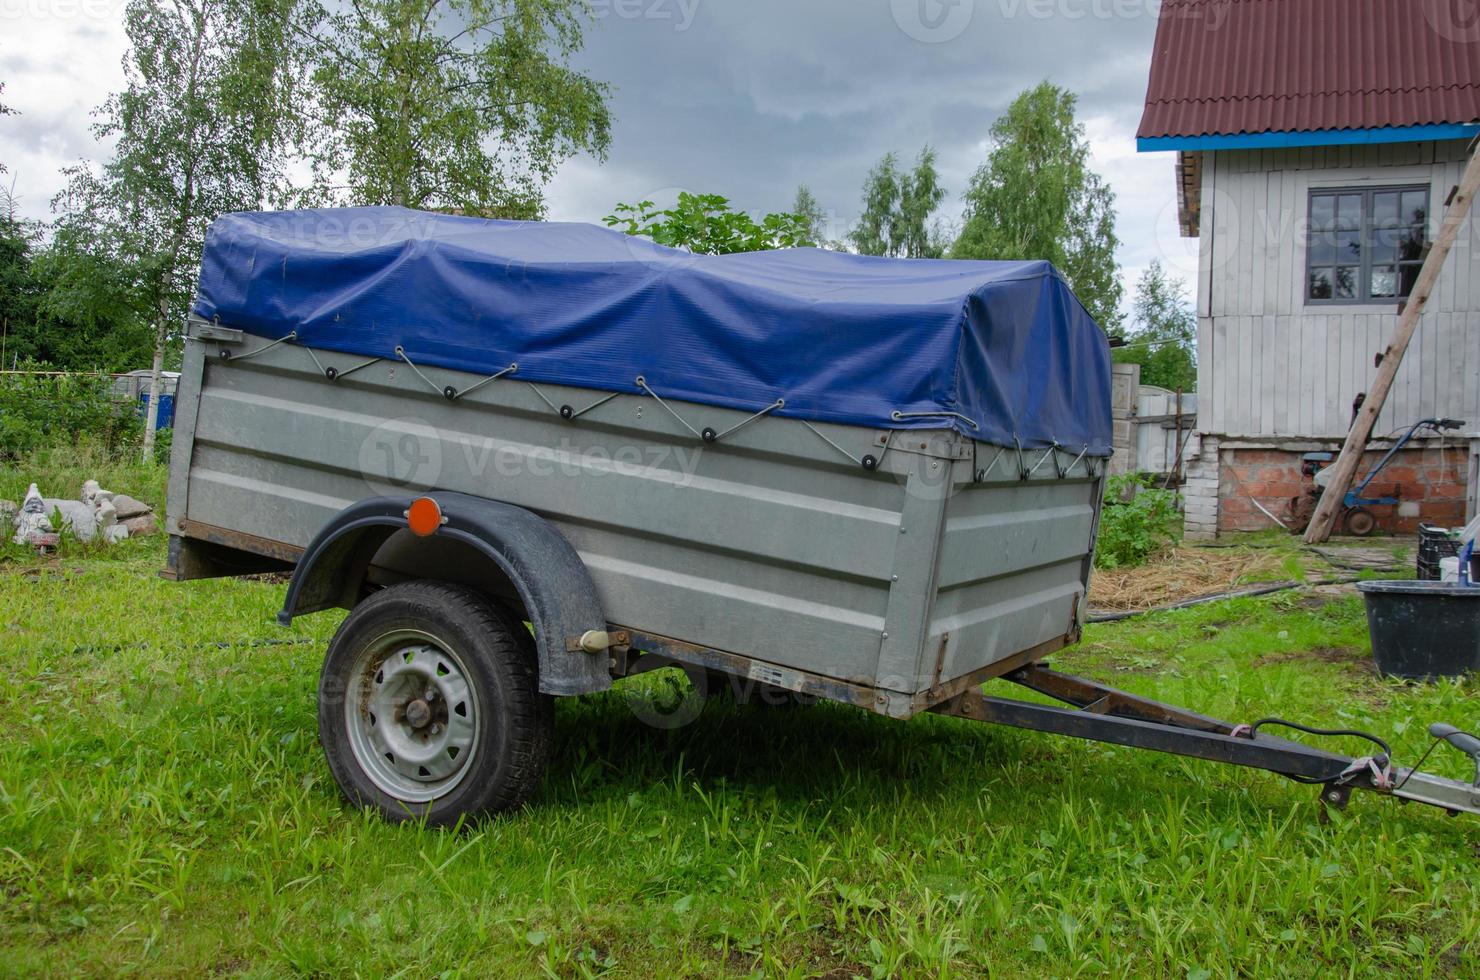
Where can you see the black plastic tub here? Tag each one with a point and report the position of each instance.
(1423, 630)
(1434, 543)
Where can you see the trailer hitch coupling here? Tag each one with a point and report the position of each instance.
(1104, 714)
(1464, 741)
(1451, 794)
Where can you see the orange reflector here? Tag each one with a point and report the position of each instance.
(424, 517)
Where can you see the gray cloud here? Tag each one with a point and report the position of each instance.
(748, 99)
(58, 62)
(757, 96)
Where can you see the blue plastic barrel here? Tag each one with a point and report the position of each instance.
(166, 418)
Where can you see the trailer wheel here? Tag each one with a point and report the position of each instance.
(429, 706)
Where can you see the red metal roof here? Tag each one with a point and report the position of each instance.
(1258, 66)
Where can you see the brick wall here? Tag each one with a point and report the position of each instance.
(1429, 481)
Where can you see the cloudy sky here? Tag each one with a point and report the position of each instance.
(746, 98)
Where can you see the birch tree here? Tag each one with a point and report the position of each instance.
(899, 208)
(1163, 339)
(202, 127)
(814, 220)
(465, 105)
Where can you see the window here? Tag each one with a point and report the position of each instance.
(1365, 246)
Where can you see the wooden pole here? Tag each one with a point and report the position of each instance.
(1345, 469)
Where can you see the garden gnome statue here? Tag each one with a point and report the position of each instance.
(32, 526)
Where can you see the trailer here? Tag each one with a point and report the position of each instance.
(533, 459)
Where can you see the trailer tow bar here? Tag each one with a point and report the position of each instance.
(1104, 714)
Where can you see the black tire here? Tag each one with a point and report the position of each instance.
(503, 725)
(1359, 522)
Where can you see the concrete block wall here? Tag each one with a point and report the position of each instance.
(1200, 492)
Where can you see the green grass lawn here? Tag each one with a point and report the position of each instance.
(164, 808)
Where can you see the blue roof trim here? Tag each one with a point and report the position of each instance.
(1318, 137)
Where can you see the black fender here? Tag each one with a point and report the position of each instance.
(551, 581)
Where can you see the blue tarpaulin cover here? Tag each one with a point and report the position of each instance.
(842, 338)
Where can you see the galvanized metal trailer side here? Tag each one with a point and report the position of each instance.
(938, 564)
(894, 570)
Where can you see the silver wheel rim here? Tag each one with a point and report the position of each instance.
(412, 715)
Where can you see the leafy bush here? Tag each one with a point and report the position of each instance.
(1138, 521)
(706, 223)
(164, 439)
(40, 411)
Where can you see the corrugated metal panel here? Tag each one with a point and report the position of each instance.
(773, 544)
(1255, 66)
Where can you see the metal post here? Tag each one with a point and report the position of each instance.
(1174, 472)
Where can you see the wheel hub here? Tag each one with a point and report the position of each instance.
(412, 716)
(418, 714)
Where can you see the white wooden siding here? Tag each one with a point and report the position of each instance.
(1270, 366)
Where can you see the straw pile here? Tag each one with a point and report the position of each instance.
(1184, 573)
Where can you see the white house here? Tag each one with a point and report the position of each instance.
(1316, 144)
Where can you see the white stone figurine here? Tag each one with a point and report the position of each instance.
(32, 524)
(79, 517)
(106, 516)
(92, 494)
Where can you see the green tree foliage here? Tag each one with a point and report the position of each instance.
(61, 307)
(465, 105)
(64, 307)
(813, 218)
(15, 247)
(1164, 340)
(94, 311)
(898, 210)
(17, 288)
(16, 239)
(1037, 198)
(203, 126)
(707, 224)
